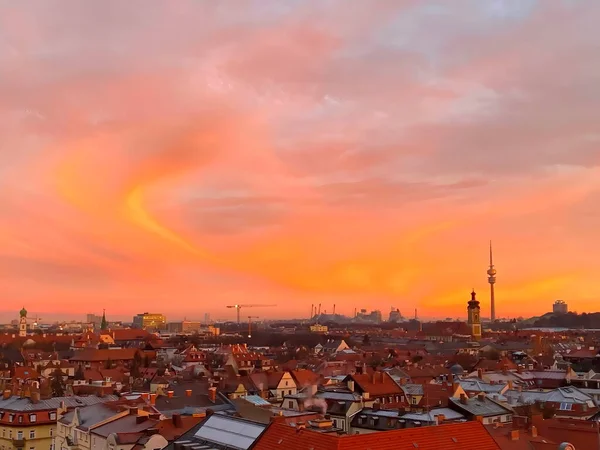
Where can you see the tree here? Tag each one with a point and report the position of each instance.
(79, 373)
(57, 383)
(137, 358)
(134, 370)
(416, 359)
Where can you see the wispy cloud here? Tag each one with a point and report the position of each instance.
(196, 153)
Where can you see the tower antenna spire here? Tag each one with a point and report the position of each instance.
(492, 280)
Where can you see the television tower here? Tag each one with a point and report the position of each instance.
(492, 280)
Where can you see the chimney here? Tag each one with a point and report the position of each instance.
(7, 394)
(188, 392)
(153, 399)
(403, 381)
(170, 394)
(480, 374)
(212, 394)
(177, 422)
(534, 431)
(440, 418)
(514, 435)
(510, 384)
(35, 397)
(481, 397)
(463, 399)
(479, 419)
(133, 410)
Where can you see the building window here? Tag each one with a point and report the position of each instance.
(290, 392)
(20, 418)
(413, 400)
(291, 404)
(31, 434)
(52, 446)
(19, 435)
(11, 418)
(51, 432)
(52, 416)
(566, 406)
(32, 418)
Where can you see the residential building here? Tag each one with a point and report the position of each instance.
(481, 408)
(29, 423)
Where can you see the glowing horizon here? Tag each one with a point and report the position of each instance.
(192, 155)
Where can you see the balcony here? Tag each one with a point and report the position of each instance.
(19, 444)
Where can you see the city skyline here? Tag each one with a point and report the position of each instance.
(190, 156)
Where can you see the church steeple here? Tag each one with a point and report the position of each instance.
(474, 317)
(103, 323)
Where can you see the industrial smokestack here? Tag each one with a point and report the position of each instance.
(319, 313)
(334, 309)
(312, 311)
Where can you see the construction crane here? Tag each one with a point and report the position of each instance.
(238, 307)
(250, 325)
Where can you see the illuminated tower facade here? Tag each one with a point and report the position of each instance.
(492, 280)
(474, 316)
(23, 322)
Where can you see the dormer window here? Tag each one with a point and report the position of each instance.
(20, 418)
(32, 418)
(52, 415)
(11, 418)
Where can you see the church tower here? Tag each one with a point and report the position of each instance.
(23, 322)
(474, 317)
(103, 323)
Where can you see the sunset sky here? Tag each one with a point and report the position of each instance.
(180, 156)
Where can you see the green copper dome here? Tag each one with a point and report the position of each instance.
(23, 312)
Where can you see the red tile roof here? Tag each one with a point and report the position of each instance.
(93, 355)
(460, 436)
(305, 377)
(378, 383)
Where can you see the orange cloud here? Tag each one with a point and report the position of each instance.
(296, 154)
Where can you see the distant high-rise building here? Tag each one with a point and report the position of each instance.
(395, 316)
(474, 317)
(207, 318)
(153, 321)
(492, 280)
(560, 307)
